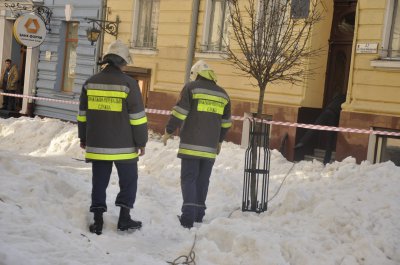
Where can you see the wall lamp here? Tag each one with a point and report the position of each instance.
(93, 33)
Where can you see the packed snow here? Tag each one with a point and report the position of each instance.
(339, 214)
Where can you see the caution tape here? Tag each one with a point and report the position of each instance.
(237, 118)
(39, 98)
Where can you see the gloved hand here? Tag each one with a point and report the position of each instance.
(219, 148)
(142, 151)
(165, 137)
(83, 145)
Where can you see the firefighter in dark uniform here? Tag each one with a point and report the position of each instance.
(204, 112)
(112, 127)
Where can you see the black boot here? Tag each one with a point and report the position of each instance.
(97, 226)
(186, 223)
(125, 222)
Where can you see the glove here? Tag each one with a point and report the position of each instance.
(165, 137)
(219, 148)
(142, 151)
(83, 145)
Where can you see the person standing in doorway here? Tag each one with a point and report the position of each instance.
(204, 112)
(9, 83)
(112, 127)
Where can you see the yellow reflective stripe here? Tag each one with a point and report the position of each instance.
(111, 157)
(210, 106)
(226, 124)
(105, 93)
(138, 121)
(81, 118)
(178, 115)
(211, 97)
(104, 103)
(196, 153)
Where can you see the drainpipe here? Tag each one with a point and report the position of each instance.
(192, 40)
(100, 41)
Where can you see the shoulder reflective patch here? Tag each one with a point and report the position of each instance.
(210, 106)
(104, 103)
(109, 87)
(105, 93)
(210, 97)
(210, 92)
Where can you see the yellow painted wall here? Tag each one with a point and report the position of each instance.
(168, 62)
(372, 90)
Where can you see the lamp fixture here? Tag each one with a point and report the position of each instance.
(93, 33)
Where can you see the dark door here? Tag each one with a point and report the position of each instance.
(340, 45)
(338, 67)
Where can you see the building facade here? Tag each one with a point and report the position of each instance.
(360, 42)
(166, 37)
(60, 65)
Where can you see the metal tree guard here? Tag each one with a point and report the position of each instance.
(256, 169)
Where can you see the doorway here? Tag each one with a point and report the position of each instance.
(340, 48)
(321, 145)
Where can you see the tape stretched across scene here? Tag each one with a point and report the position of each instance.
(237, 118)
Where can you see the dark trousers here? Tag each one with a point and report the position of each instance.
(195, 178)
(9, 102)
(127, 174)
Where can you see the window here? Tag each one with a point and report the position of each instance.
(273, 18)
(391, 38)
(300, 8)
(146, 24)
(71, 42)
(216, 26)
(383, 148)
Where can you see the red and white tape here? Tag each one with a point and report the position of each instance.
(238, 118)
(39, 98)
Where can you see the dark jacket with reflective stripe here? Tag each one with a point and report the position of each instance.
(111, 120)
(204, 112)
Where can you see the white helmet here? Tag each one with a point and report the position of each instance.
(117, 47)
(197, 68)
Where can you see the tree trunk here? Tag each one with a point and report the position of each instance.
(260, 103)
(255, 144)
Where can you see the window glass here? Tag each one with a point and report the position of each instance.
(299, 9)
(394, 41)
(390, 150)
(147, 23)
(218, 25)
(71, 42)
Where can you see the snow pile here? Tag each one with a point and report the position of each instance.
(343, 213)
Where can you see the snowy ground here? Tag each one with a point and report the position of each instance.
(341, 214)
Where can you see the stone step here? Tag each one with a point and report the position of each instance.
(321, 153)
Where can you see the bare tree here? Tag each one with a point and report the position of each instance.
(270, 42)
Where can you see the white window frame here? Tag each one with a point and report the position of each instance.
(385, 61)
(206, 30)
(135, 25)
(375, 146)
